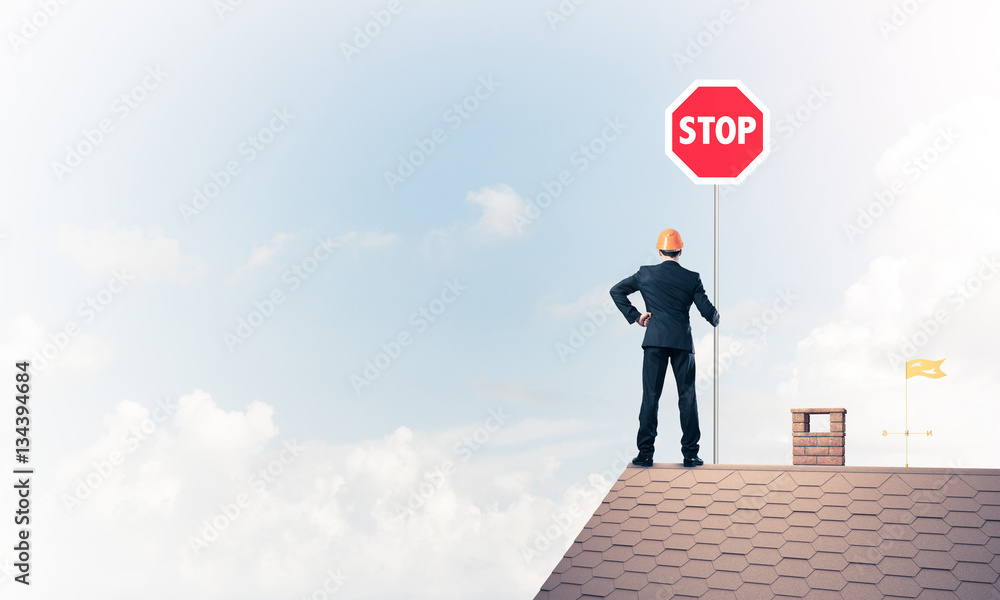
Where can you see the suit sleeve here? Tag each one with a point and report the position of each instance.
(705, 305)
(620, 292)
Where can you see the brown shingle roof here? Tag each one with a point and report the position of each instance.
(748, 532)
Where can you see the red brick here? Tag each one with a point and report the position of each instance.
(837, 451)
(800, 451)
(817, 451)
(831, 441)
(834, 427)
(798, 418)
(830, 460)
(804, 460)
(837, 417)
(799, 427)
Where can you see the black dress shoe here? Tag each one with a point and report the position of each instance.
(642, 461)
(694, 461)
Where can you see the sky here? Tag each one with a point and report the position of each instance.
(315, 295)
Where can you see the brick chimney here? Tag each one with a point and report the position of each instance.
(811, 447)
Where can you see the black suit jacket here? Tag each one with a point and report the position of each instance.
(669, 290)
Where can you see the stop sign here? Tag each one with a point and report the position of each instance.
(717, 131)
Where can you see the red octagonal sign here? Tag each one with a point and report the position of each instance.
(718, 131)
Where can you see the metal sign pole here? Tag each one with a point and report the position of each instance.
(715, 368)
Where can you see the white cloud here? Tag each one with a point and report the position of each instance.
(500, 206)
(282, 515)
(146, 253)
(56, 350)
(930, 291)
(260, 257)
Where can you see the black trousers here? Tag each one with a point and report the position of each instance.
(654, 370)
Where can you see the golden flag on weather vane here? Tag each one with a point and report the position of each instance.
(925, 368)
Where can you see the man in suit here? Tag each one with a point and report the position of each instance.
(668, 289)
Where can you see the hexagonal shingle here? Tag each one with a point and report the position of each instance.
(689, 586)
(759, 574)
(709, 536)
(763, 556)
(640, 564)
(964, 519)
(832, 528)
(906, 587)
(730, 562)
(891, 565)
(976, 572)
(828, 561)
(861, 573)
(704, 551)
(863, 591)
(967, 535)
(799, 534)
(631, 581)
(771, 525)
(812, 533)
(790, 586)
(896, 487)
(869, 494)
(957, 488)
(664, 575)
(937, 579)
(724, 580)
(796, 550)
(826, 580)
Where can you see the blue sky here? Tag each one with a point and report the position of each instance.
(817, 306)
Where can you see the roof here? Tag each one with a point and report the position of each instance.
(748, 532)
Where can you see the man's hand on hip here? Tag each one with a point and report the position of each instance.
(643, 320)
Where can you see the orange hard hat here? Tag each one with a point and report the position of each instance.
(670, 239)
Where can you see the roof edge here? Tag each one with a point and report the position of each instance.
(827, 468)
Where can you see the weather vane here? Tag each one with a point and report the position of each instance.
(923, 368)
